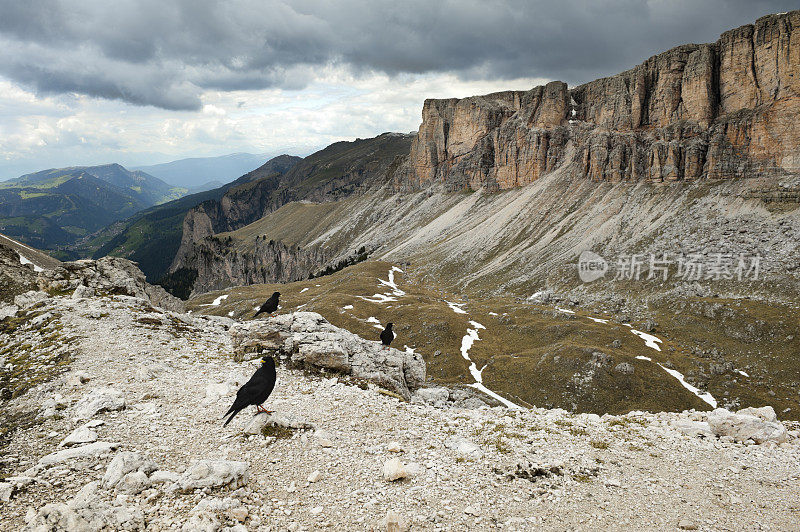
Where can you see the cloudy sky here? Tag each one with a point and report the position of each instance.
(144, 82)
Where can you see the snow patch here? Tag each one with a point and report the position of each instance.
(740, 372)
(24, 260)
(348, 307)
(373, 319)
(378, 298)
(493, 314)
(537, 294)
(391, 284)
(230, 314)
(707, 397)
(565, 311)
(219, 300)
(456, 307)
(477, 374)
(642, 357)
(303, 290)
(649, 339)
(598, 320)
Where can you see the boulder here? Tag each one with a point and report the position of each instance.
(82, 292)
(29, 299)
(79, 436)
(99, 400)
(743, 426)
(57, 516)
(133, 483)
(126, 462)
(435, 396)
(7, 311)
(213, 474)
(6, 489)
(308, 340)
(84, 451)
(624, 368)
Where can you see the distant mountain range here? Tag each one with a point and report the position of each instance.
(55, 207)
(204, 173)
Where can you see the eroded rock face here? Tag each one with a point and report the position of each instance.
(106, 275)
(220, 265)
(309, 340)
(722, 110)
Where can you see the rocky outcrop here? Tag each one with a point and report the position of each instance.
(111, 275)
(724, 110)
(308, 340)
(219, 264)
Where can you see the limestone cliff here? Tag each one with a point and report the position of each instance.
(220, 265)
(723, 110)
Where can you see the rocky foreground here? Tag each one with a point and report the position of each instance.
(129, 437)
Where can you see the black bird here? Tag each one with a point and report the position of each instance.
(270, 305)
(387, 335)
(256, 390)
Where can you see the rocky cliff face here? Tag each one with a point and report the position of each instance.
(723, 110)
(220, 265)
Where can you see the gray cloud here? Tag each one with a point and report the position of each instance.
(166, 54)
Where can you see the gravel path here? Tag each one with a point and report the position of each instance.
(464, 469)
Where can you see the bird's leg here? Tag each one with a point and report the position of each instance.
(260, 409)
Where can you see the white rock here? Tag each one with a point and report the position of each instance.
(57, 516)
(82, 292)
(463, 447)
(79, 436)
(765, 413)
(123, 463)
(240, 513)
(393, 469)
(693, 428)
(6, 488)
(158, 477)
(316, 510)
(316, 476)
(472, 510)
(99, 400)
(77, 378)
(85, 451)
(30, 298)
(742, 427)
(8, 311)
(133, 483)
(394, 447)
(257, 424)
(394, 522)
(216, 390)
(85, 495)
(213, 474)
(202, 522)
(436, 396)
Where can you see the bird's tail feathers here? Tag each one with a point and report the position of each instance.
(230, 418)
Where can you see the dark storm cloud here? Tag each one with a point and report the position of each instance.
(166, 53)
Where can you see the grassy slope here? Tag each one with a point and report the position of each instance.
(540, 356)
